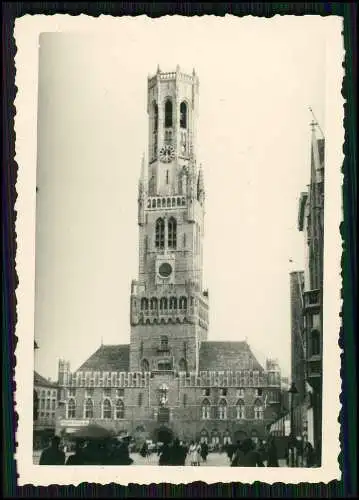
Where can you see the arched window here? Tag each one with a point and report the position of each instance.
(119, 410)
(140, 398)
(107, 409)
(184, 399)
(258, 410)
(183, 303)
(183, 202)
(155, 117)
(222, 409)
(173, 303)
(163, 303)
(153, 303)
(144, 304)
(173, 202)
(158, 202)
(314, 343)
(160, 233)
(240, 409)
(168, 199)
(88, 413)
(145, 366)
(172, 233)
(153, 203)
(163, 202)
(168, 113)
(71, 408)
(206, 410)
(183, 115)
(204, 436)
(182, 365)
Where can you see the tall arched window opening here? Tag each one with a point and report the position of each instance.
(155, 117)
(163, 303)
(240, 410)
(206, 410)
(222, 409)
(144, 304)
(258, 410)
(160, 233)
(120, 410)
(314, 343)
(153, 304)
(173, 303)
(145, 366)
(183, 115)
(88, 413)
(168, 114)
(183, 303)
(172, 233)
(71, 409)
(107, 409)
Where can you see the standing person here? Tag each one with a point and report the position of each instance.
(272, 454)
(309, 454)
(78, 458)
(165, 455)
(53, 455)
(249, 456)
(236, 455)
(194, 452)
(178, 454)
(144, 450)
(204, 451)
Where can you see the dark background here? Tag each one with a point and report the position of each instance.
(345, 488)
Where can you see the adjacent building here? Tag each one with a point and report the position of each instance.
(306, 293)
(170, 378)
(46, 395)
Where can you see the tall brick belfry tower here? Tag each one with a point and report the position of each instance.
(169, 309)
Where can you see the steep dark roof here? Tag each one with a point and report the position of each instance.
(111, 358)
(218, 356)
(42, 381)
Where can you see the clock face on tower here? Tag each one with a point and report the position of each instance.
(167, 153)
(165, 270)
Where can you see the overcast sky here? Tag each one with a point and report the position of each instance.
(257, 78)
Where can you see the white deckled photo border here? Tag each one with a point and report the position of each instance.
(26, 33)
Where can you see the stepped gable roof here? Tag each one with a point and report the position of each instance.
(108, 358)
(227, 355)
(41, 381)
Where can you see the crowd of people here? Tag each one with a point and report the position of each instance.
(88, 452)
(245, 453)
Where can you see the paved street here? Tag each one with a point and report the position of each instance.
(213, 460)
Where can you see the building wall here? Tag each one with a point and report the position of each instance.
(297, 332)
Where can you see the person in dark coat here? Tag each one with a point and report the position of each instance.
(249, 457)
(79, 457)
(144, 450)
(177, 454)
(204, 451)
(120, 454)
(53, 455)
(165, 455)
(272, 454)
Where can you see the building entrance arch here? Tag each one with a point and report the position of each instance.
(163, 434)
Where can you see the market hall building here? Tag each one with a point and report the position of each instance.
(170, 378)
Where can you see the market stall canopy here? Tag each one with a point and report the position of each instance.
(92, 431)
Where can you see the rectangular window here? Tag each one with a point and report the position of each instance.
(206, 392)
(224, 391)
(120, 393)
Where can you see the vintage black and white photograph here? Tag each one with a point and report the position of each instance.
(185, 311)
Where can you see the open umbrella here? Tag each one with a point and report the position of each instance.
(92, 431)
